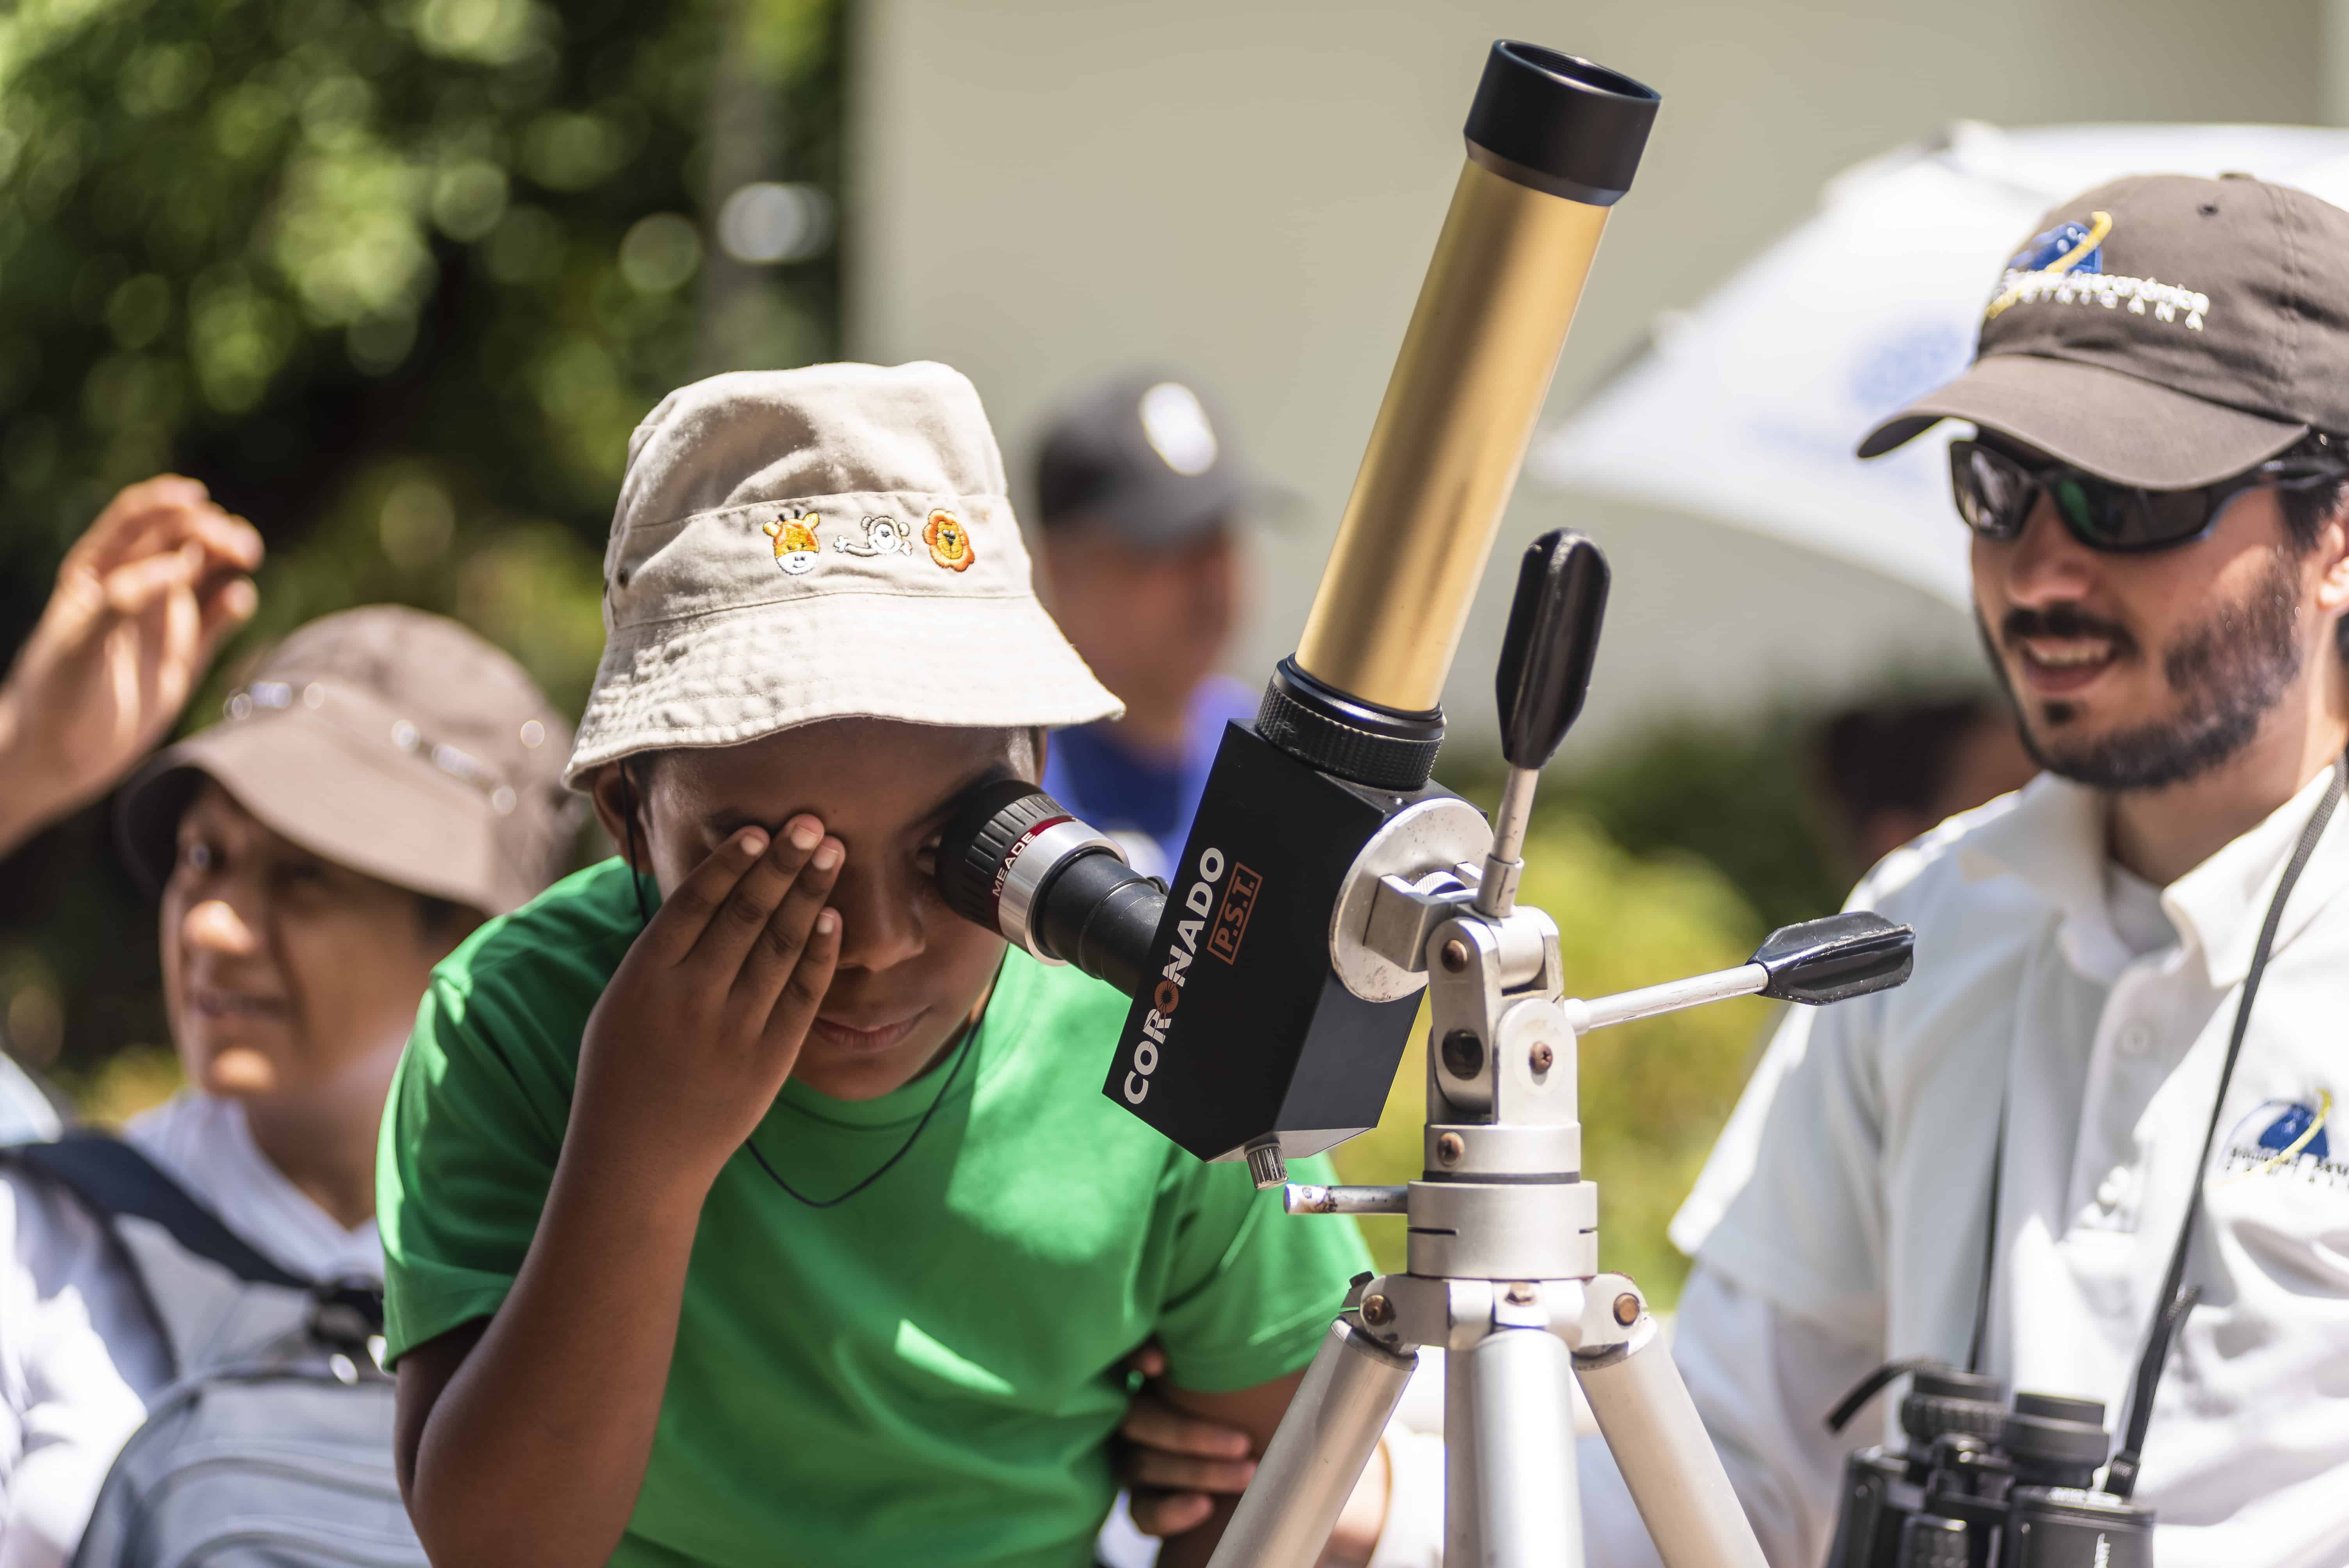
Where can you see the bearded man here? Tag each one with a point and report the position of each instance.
(2070, 1117)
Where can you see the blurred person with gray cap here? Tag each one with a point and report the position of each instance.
(2074, 1113)
(1140, 492)
(382, 782)
(817, 1171)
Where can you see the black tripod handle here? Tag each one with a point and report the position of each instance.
(1551, 644)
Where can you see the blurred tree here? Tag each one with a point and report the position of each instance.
(397, 280)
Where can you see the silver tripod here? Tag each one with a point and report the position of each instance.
(1503, 1269)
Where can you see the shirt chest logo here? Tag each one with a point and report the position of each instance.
(2287, 1140)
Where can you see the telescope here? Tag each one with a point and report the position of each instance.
(1327, 882)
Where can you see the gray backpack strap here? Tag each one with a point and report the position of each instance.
(217, 1299)
(113, 1178)
(211, 1317)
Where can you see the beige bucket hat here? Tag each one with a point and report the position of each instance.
(828, 542)
(385, 739)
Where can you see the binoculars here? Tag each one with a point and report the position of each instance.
(1983, 1484)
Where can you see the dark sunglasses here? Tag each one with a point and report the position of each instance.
(1995, 491)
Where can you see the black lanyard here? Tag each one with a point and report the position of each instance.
(2177, 1299)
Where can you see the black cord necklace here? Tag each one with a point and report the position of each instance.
(962, 1054)
(961, 1045)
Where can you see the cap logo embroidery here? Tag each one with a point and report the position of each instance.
(883, 536)
(795, 542)
(949, 541)
(2066, 266)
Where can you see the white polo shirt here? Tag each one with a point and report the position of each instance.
(1852, 1187)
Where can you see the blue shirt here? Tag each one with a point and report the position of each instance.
(1145, 802)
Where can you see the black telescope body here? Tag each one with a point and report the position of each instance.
(1243, 1034)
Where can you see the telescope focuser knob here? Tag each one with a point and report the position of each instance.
(1552, 642)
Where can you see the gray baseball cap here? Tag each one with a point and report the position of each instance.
(2163, 331)
(1146, 454)
(385, 739)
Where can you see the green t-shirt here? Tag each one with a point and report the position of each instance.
(924, 1373)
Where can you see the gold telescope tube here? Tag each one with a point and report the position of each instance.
(1553, 141)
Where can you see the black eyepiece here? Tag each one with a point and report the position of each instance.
(1013, 860)
(1944, 1400)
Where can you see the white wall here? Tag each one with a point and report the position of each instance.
(1045, 188)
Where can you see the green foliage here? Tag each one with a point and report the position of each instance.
(1654, 1093)
(396, 278)
(1744, 800)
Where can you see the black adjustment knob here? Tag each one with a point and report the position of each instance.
(1551, 644)
(1323, 727)
(1836, 958)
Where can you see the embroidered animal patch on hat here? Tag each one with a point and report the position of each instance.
(949, 541)
(796, 545)
(883, 536)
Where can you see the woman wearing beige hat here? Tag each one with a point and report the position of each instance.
(382, 782)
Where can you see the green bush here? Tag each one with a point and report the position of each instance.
(1654, 1093)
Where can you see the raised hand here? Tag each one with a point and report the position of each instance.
(704, 1019)
(141, 603)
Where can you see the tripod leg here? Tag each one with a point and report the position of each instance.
(1522, 1422)
(1647, 1419)
(1310, 1468)
(1462, 1545)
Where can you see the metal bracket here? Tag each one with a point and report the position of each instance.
(1404, 1312)
(1611, 1309)
(1404, 914)
(1418, 843)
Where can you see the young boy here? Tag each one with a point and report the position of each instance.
(742, 1205)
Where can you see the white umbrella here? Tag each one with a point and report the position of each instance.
(1746, 409)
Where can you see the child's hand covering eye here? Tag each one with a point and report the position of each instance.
(704, 1019)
